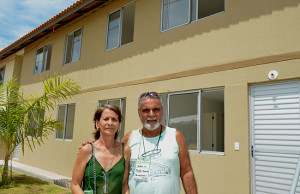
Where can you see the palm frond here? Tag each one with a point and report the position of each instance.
(57, 89)
(22, 119)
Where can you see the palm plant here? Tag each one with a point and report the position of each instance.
(22, 120)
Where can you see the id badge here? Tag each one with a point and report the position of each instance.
(88, 192)
(142, 169)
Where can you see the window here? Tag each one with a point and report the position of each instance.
(179, 12)
(66, 114)
(42, 59)
(36, 117)
(120, 27)
(2, 73)
(199, 116)
(121, 103)
(73, 47)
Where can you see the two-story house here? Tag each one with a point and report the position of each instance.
(228, 73)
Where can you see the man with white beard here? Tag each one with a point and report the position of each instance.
(159, 155)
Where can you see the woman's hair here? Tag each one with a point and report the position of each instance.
(98, 114)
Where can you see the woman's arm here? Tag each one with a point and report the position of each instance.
(78, 172)
(127, 154)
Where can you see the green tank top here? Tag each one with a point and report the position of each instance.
(115, 176)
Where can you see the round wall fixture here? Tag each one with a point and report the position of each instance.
(273, 75)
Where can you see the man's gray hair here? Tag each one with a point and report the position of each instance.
(147, 96)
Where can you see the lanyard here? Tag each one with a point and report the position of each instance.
(156, 147)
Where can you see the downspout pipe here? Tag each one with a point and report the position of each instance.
(296, 177)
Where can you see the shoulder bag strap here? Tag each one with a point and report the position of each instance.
(94, 170)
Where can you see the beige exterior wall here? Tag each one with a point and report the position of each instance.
(13, 66)
(231, 50)
(10, 65)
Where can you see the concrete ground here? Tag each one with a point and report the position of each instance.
(44, 175)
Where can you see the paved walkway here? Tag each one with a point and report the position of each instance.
(44, 175)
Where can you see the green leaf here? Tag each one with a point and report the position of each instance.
(24, 121)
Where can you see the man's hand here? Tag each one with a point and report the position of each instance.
(84, 143)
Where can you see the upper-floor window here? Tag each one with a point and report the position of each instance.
(179, 12)
(199, 116)
(2, 73)
(66, 114)
(121, 103)
(120, 27)
(42, 59)
(73, 46)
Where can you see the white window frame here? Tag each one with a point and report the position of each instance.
(66, 46)
(190, 19)
(65, 122)
(199, 116)
(44, 61)
(122, 102)
(120, 27)
(215, 152)
(2, 71)
(162, 18)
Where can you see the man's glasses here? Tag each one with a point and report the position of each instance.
(154, 94)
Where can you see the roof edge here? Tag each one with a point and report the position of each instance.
(46, 25)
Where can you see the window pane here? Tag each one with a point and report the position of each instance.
(163, 98)
(61, 118)
(33, 120)
(41, 115)
(122, 127)
(113, 31)
(210, 7)
(39, 61)
(175, 13)
(194, 10)
(212, 120)
(128, 24)
(48, 56)
(42, 60)
(69, 42)
(183, 116)
(76, 46)
(2, 72)
(70, 121)
(115, 102)
(32, 123)
(102, 102)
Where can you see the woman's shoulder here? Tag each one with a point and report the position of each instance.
(86, 149)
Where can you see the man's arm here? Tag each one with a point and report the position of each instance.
(186, 171)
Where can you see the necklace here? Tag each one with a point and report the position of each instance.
(147, 153)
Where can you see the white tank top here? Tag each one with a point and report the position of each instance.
(164, 170)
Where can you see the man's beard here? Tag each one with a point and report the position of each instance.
(151, 127)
